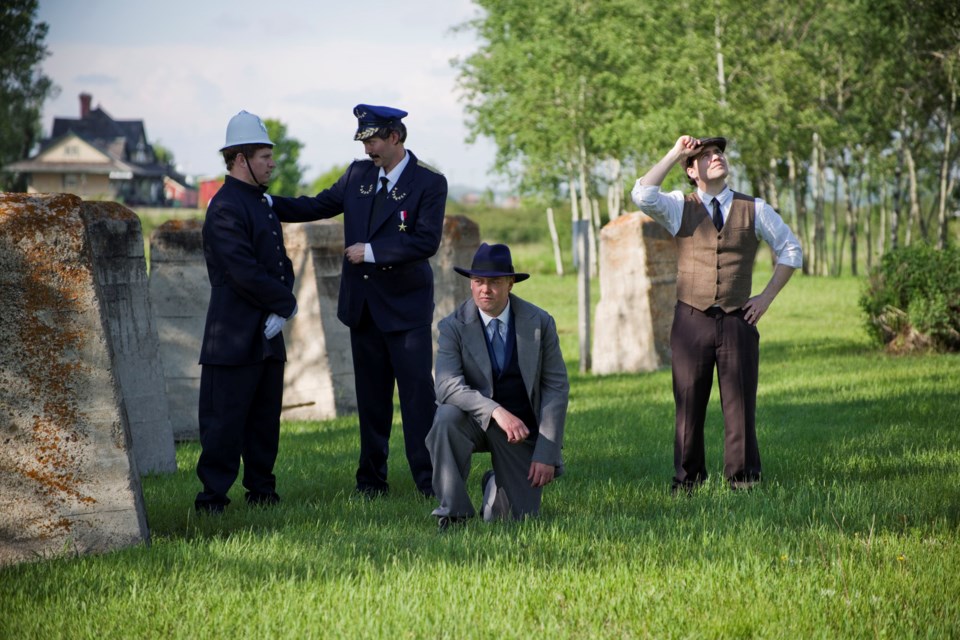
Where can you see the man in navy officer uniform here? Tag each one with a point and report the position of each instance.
(243, 353)
(393, 207)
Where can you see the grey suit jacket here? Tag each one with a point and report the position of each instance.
(464, 375)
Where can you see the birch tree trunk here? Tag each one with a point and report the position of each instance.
(773, 198)
(819, 231)
(852, 222)
(583, 294)
(615, 190)
(772, 181)
(555, 241)
(944, 173)
(868, 222)
(895, 211)
(595, 237)
(584, 227)
(799, 221)
(884, 216)
(914, 219)
(835, 267)
(586, 212)
(721, 75)
(574, 213)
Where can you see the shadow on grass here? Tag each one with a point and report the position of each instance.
(853, 458)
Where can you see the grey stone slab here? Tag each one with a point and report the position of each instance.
(638, 292)
(68, 477)
(116, 242)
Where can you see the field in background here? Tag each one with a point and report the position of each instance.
(855, 531)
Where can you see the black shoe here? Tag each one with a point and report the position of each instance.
(743, 485)
(209, 508)
(262, 499)
(682, 489)
(445, 523)
(371, 493)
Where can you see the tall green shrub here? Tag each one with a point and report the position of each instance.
(912, 300)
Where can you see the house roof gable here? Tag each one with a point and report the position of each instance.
(124, 137)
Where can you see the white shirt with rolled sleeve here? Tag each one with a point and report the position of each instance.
(667, 209)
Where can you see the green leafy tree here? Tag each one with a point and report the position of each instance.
(23, 88)
(841, 113)
(325, 180)
(163, 155)
(286, 153)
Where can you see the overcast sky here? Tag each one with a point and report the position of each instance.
(185, 68)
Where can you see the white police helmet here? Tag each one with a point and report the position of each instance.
(246, 128)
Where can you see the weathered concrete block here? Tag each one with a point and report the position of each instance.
(461, 238)
(68, 479)
(638, 291)
(116, 241)
(318, 377)
(179, 295)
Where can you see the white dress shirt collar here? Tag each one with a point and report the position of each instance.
(394, 174)
(504, 317)
(724, 197)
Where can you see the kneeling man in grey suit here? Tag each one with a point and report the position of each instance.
(501, 387)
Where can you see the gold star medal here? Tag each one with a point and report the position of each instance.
(403, 220)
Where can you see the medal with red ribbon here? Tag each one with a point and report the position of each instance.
(403, 220)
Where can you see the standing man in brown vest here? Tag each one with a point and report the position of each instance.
(717, 232)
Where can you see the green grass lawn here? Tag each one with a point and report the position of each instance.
(855, 531)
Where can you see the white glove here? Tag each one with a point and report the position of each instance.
(273, 326)
(295, 309)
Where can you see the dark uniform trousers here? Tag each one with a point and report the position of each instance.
(410, 363)
(239, 415)
(700, 341)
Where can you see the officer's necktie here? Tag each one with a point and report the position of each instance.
(378, 201)
(496, 341)
(717, 216)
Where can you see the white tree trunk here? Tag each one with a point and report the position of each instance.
(574, 213)
(555, 240)
(944, 172)
(615, 190)
(583, 294)
(595, 238)
(914, 218)
(721, 75)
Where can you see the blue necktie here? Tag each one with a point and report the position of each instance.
(496, 341)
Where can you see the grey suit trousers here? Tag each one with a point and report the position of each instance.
(453, 439)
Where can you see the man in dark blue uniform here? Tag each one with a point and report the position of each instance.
(393, 207)
(243, 354)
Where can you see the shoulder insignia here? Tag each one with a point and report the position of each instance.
(421, 163)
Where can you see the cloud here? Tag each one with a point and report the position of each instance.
(309, 74)
(96, 79)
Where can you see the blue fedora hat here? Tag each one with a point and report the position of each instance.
(492, 261)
